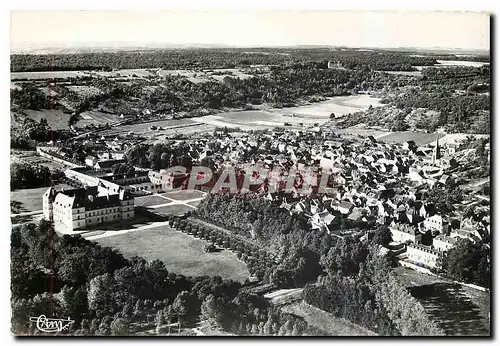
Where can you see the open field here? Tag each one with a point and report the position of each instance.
(148, 201)
(361, 130)
(339, 105)
(451, 63)
(31, 199)
(84, 90)
(176, 209)
(458, 309)
(306, 115)
(181, 253)
(46, 74)
(457, 137)
(169, 127)
(130, 73)
(194, 203)
(183, 195)
(252, 120)
(193, 76)
(232, 72)
(95, 118)
(32, 157)
(403, 73)
(325, 321)
(461, 63)
(55, 118)
(420, 138)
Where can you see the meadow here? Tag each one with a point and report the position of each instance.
(181, 253)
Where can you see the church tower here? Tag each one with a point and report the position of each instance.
(436, 153)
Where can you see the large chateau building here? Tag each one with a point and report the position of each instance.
(80, 208)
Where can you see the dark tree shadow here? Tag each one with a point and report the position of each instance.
(451, 309)
(16, 207)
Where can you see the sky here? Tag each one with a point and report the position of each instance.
(44, 28)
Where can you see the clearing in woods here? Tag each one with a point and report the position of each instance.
(181, 253)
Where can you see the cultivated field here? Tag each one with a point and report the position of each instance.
(252, 120)
(84, 90)
(55, 118)
(32, 157)
(461, 63)
(95, 118)
(420, 138)
(129, 73)
(306, 115)
(169, 128)
(339, 105)
(403, 73)
(361, 130)
(194, 203)
(46, 74)
(181, 253)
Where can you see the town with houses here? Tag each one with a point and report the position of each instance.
(225, 190)
(369, 182)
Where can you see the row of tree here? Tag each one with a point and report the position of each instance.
(360, 286)
(26, 176)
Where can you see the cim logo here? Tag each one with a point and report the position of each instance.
(51, 325)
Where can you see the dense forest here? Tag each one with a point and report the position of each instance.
(458, 98)
(216, 58)
(103, 292)
(283, 86)
(107, 294)
(459, 95)
(468, 262)
(360, 287)
(25, 176)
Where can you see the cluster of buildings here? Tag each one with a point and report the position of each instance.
(367, 183)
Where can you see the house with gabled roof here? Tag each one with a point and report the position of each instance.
(345, 207)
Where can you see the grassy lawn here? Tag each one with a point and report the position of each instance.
(176, 209)
(148, 201)
(30, 199)
(181, 253)
(194, 203)
(184, 195)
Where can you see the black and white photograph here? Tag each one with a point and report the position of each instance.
(250, 172)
